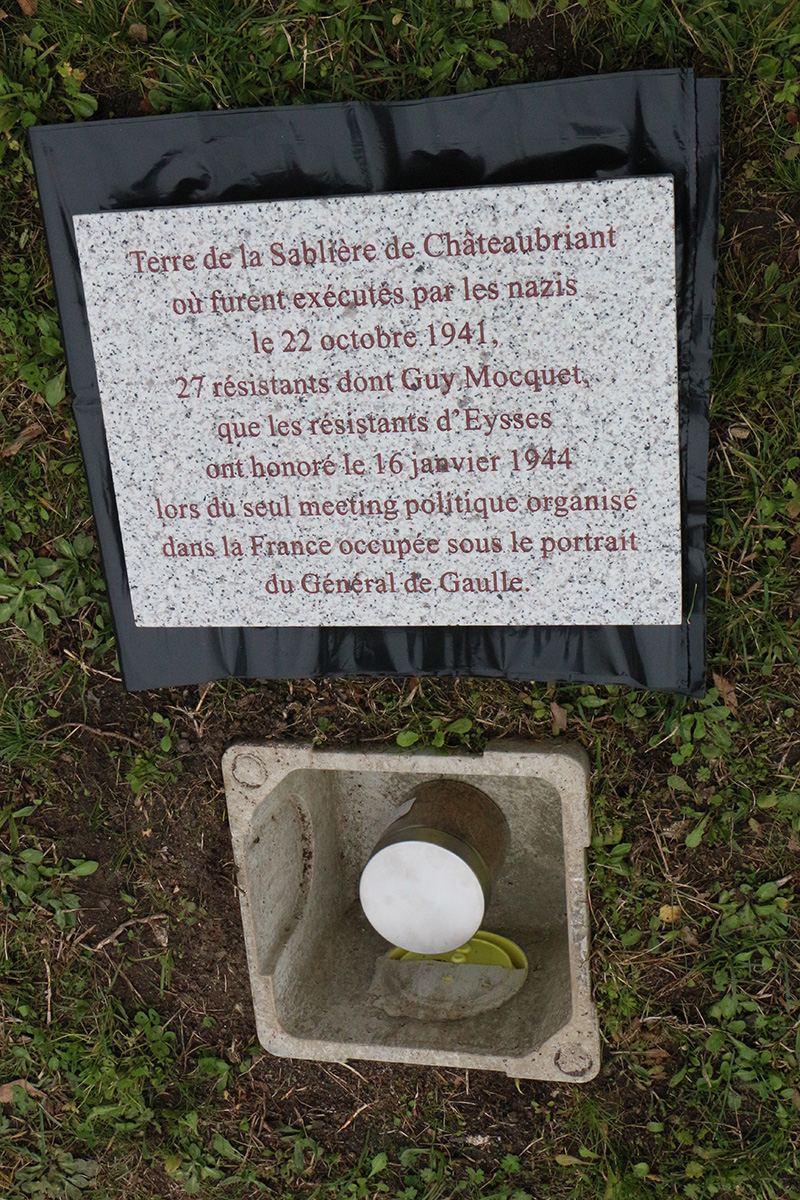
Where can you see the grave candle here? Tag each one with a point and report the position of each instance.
(429, 879)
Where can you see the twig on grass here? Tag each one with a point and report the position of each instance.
(657, 839)
(347, 1067)
(112, 937)
(206, 690)
(357, 1113)
(101, 733)
(81, 936)
(49, 993)
(91, 670)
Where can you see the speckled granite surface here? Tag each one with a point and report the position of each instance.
(444, 408)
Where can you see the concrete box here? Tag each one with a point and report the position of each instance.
(304, 822)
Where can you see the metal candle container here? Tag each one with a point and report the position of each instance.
(429, 878)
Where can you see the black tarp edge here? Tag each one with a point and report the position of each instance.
(650, 122)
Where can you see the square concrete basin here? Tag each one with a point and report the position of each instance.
(304, 823)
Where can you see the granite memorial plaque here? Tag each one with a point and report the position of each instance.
(447, 408)
(403, 388)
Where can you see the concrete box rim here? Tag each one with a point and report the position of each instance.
(253, 769)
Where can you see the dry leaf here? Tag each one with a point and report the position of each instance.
(559, 717)
(727, 691)
(566, 1160)
(28, 7)
(676, 830)
(690, 937)
(138, 33)
(27, 435)
(7, 1090)
(740, 432)
(668, 914)
(160, 933)
(794, 547)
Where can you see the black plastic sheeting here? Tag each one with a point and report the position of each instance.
(604, 127)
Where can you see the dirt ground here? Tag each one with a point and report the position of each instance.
(168, 850)
(171, 853)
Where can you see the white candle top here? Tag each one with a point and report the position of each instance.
(422, 897)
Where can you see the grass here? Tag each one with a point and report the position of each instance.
(121, 997)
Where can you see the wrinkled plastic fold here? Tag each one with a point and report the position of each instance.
(604, 127)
